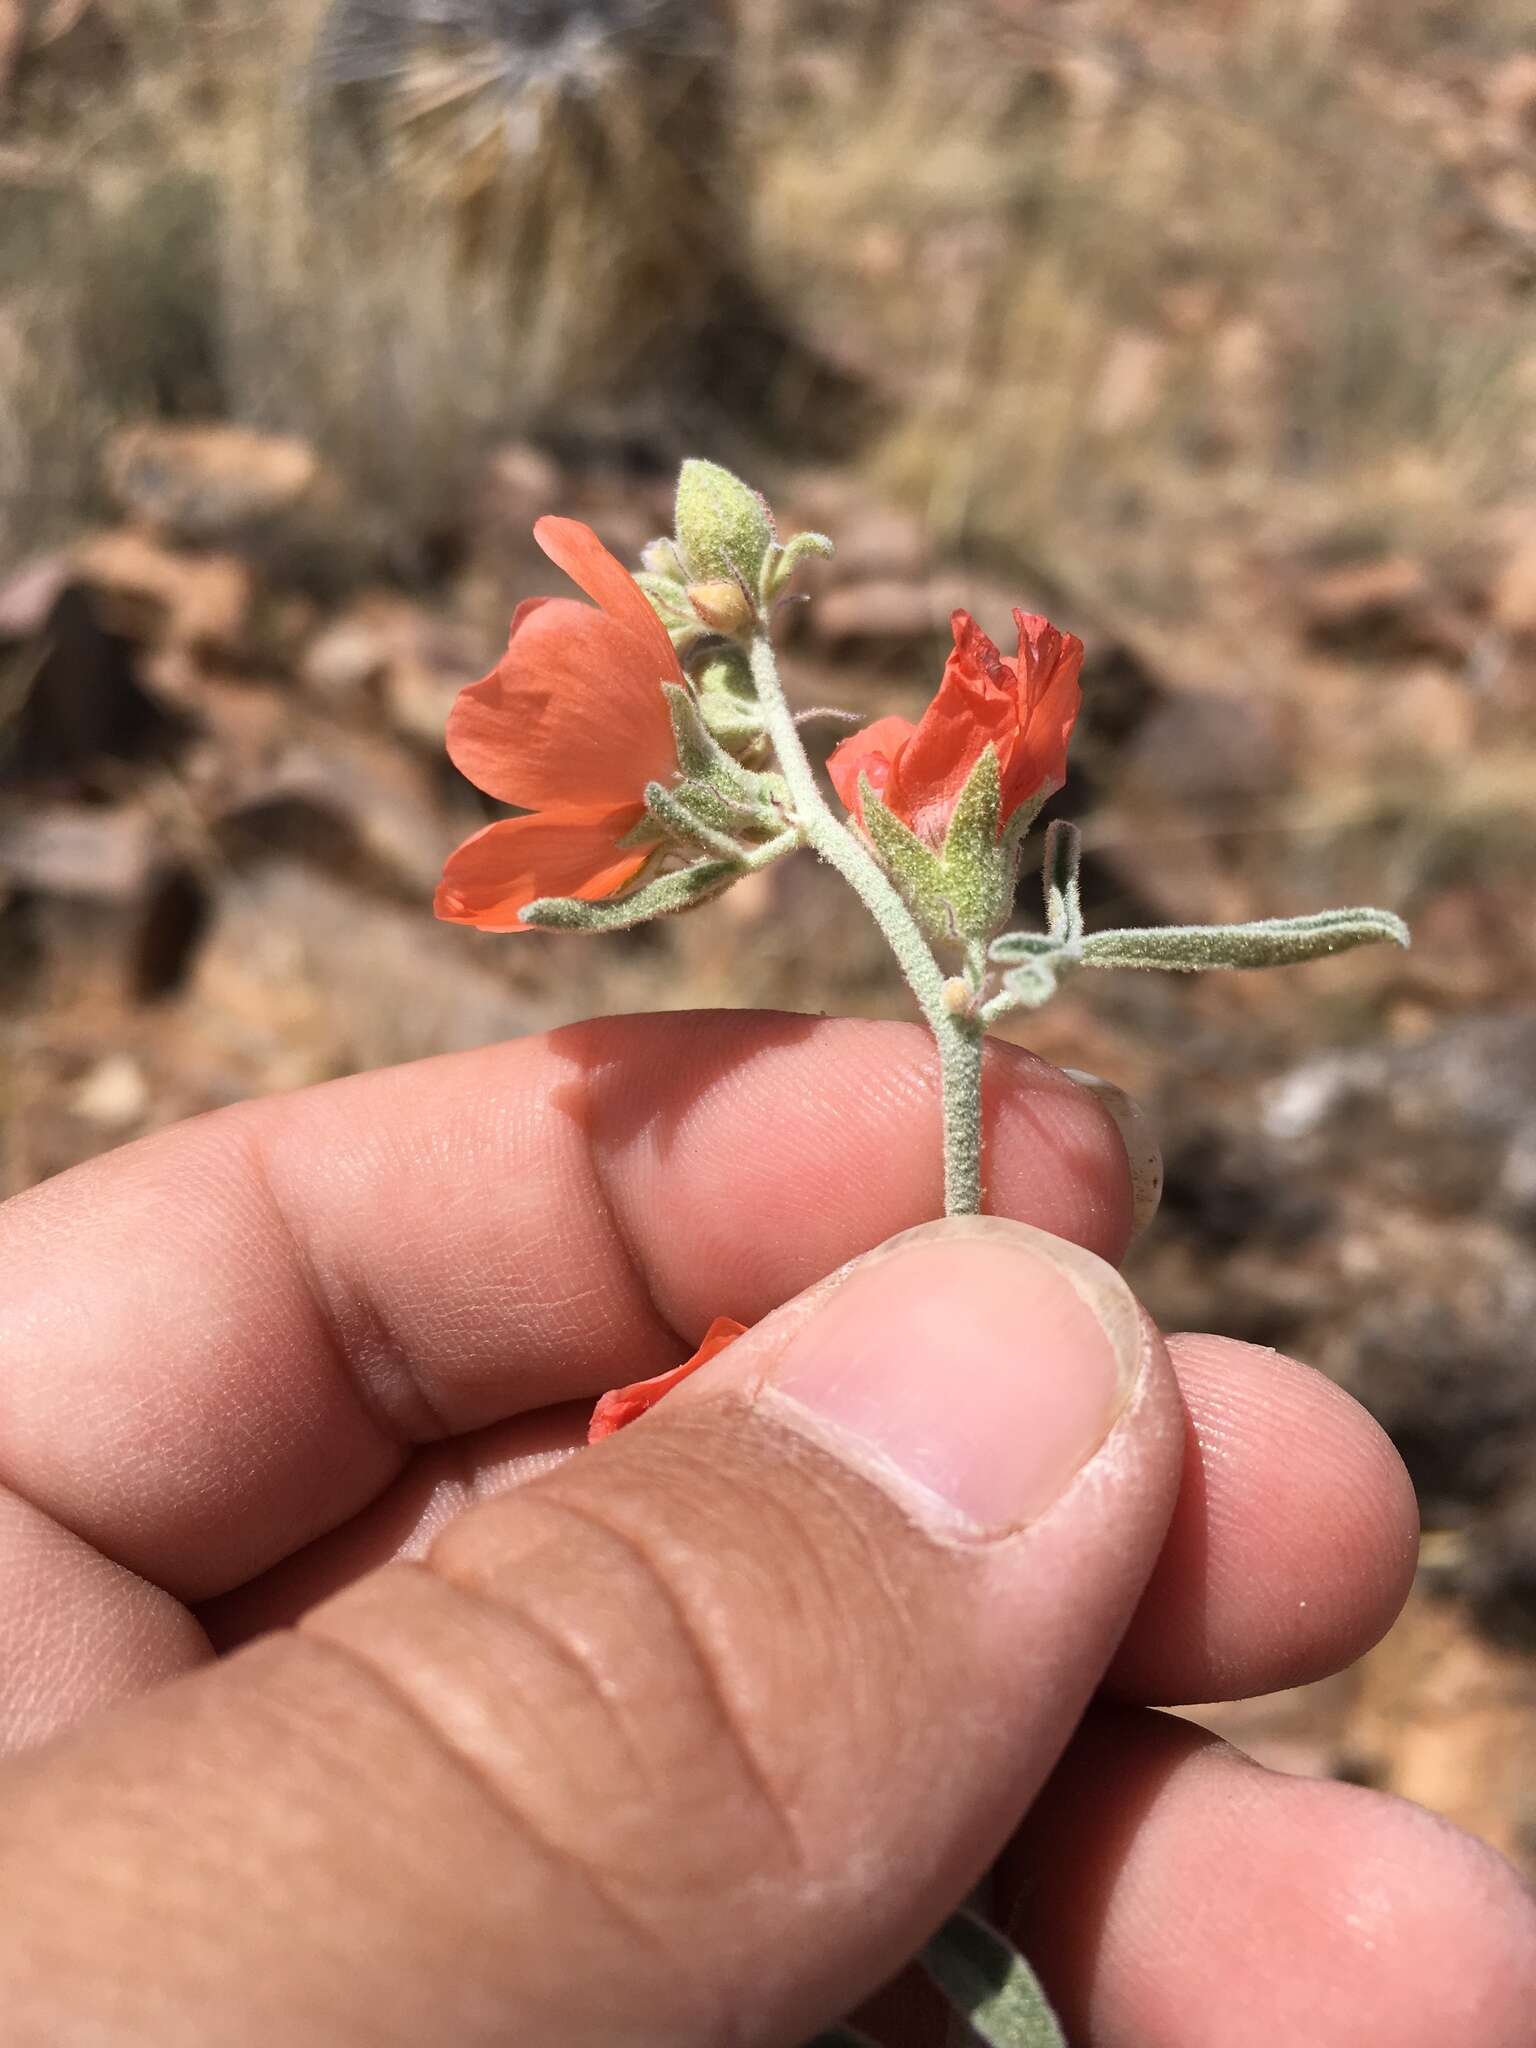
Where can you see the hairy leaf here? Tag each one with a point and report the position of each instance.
(1059, 879)
(661, 898)
(1271, 942)
(984, 1977)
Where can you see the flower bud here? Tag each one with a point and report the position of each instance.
(724, 528)
(660, 558)
(724, 607)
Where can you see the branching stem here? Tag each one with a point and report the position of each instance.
(959, 1038)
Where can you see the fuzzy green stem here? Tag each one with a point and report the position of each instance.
(958, 1037)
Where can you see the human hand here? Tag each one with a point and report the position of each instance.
(694, 1737)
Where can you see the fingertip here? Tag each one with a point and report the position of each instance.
(1294, 1541)
(1046, 1130)
(1197, 1898)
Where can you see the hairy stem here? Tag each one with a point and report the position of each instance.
(959, 1038)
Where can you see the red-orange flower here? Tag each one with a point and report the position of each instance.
(1025, 708)
(570, 725)
(625, 1403)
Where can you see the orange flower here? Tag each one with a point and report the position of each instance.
(1025, 708)
(625, 1403)
(570, 725)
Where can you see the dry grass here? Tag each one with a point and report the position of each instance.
(1133, 292)
(1131, 301)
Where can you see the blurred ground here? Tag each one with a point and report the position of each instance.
(1207, 328)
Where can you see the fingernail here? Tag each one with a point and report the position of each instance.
(1142, 1151)
(975, 1363)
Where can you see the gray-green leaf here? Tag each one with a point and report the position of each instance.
(1014, 946)
(1270, 942)
(661, 898)
(1059, 879)
(984, 1977)
(1032, 982)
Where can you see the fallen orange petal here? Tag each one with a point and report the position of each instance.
(614, 1410)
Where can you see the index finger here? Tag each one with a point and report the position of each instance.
(222, 1341)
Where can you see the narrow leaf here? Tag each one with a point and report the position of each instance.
(984, 1977)
(1271, 942)
(1021, 946)
(1059, 878)
(661, 898)
(1031, 983)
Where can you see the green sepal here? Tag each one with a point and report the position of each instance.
(727, 700)
(669, 601)
(1059, 880)
(965, 893)
(915, 868)
(780, 563)
(1269, 942)
(978, 874)
(659, 558)
(699, 753)
(664, 897)
(983, 1976)
(692, 814)
(1021, 818)
(724, 528)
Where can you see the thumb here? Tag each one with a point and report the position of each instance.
(694, 1739)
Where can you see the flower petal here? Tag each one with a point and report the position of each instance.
(577, 550)
(573, 713)
(975, 706)
(1024, 709)
(1050, 664)
(614, 1410)
(492, 878)
(872, 753)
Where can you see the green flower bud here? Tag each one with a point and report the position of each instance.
(724, 528)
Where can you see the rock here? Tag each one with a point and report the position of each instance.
(1207, 752)
(884, 617)
(348, 658)
(1383, 609)
(211, 485)
(880, 542)
(521, 483)
(82, 702)
(113, 1094)
(1429, 712)
(408, 661)
(150, 595)
(1131, 382)
(1510, 93)
(29, 594)
(1512, 601)
(78, 850)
